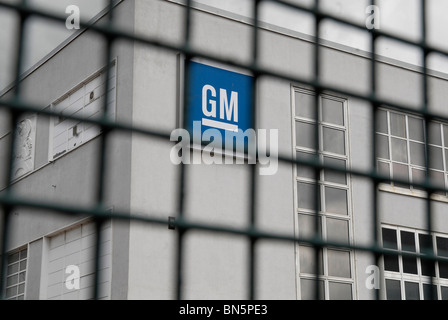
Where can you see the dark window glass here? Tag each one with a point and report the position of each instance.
(410, 265)
(427, 288)
(412, 291)
(393, 290)
(389, 238)
(391, 263)
(407, 241)
(425, 242)
(444, 292)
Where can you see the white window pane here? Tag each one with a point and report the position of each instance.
(398, 125)
(399, 150)
(305, 135)
(384, 169)
(306, 195)
(307, 225)
(337, 230)
(401, 172)
(435, 157)
(393, 289)
(382, 146)
(382, 121)
(418, 176)
(302, 170)
(308, 260)
(339, 263)
(417, 151)
(437, 178)
(336, 200)
(340, 291)
(416, 131)
(333, 176)
(412, 290)
(307, 289)
(435, 134)
(304, 105)
(334, 140)
(332, 111)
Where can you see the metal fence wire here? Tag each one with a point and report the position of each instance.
(16, 106)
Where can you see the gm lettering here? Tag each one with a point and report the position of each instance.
(228, 108)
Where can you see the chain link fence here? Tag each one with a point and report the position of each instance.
(9, 199)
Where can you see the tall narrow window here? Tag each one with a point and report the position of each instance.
(16, 274)
(335, 274)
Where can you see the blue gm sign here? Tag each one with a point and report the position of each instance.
(218, 99)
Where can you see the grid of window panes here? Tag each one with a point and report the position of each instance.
(16, 275)
(409, 278)
(401, 149)
(335, 270)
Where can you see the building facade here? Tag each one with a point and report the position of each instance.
(56, 160)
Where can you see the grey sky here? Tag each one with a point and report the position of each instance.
(397, 16)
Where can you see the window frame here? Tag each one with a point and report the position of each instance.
(410, 189)
(419, 278)
(10, 253)
(323, 215)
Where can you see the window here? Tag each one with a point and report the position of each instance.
(86, 101)
(16, 275)
(335, 275)
(76, 247)
(401, 149)
(407, 277)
